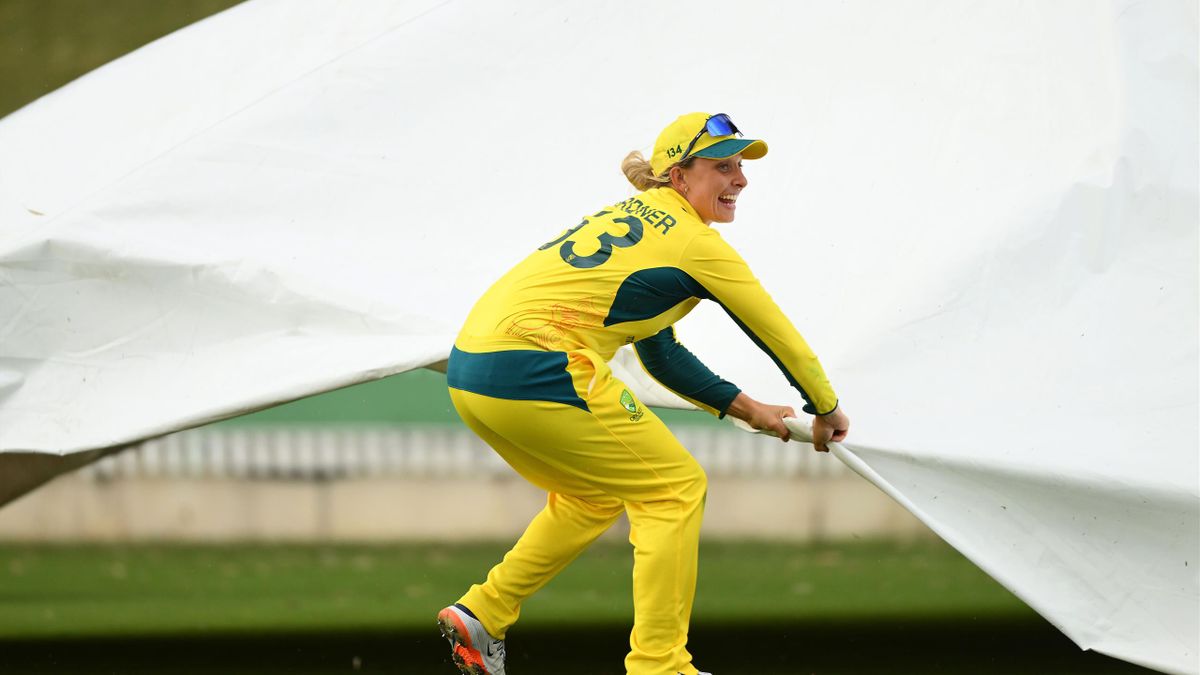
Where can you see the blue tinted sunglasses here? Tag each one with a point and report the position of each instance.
(717, 125)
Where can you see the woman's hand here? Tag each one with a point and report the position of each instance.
(831, 426)
(761, 416)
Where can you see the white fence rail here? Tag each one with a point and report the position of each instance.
(321, 453)
(357, 483)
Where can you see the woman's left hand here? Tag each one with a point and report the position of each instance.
(761, 416)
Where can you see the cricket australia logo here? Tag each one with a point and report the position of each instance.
(630, 404)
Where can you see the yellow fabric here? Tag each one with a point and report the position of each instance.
(595, 465)
(547, 303)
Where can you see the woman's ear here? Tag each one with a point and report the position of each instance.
(678, 180)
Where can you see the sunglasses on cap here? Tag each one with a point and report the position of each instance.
(717, 125)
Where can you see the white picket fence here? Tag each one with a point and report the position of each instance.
(320, 453)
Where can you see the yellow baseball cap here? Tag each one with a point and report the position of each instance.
(701, 135)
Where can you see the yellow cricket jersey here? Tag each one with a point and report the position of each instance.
(625, 275)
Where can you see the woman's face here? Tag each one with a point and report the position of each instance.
(712, 186)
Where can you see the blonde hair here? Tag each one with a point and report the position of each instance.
(637, 169)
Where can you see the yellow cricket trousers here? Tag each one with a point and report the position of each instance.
(614, 455)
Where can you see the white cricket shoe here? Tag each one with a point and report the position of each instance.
(475, 652)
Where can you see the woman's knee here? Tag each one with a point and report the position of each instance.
(600, 507)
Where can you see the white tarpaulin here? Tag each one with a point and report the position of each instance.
(983, 216)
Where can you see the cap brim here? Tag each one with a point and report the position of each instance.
(749, 148)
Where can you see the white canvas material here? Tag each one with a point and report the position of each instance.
(982, 218)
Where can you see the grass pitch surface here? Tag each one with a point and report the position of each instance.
(45, 44)
(761, 609)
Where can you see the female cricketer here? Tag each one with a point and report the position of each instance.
(529, 375)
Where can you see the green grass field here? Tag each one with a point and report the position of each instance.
(46, 43)
(141, 590)
(761, 608)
